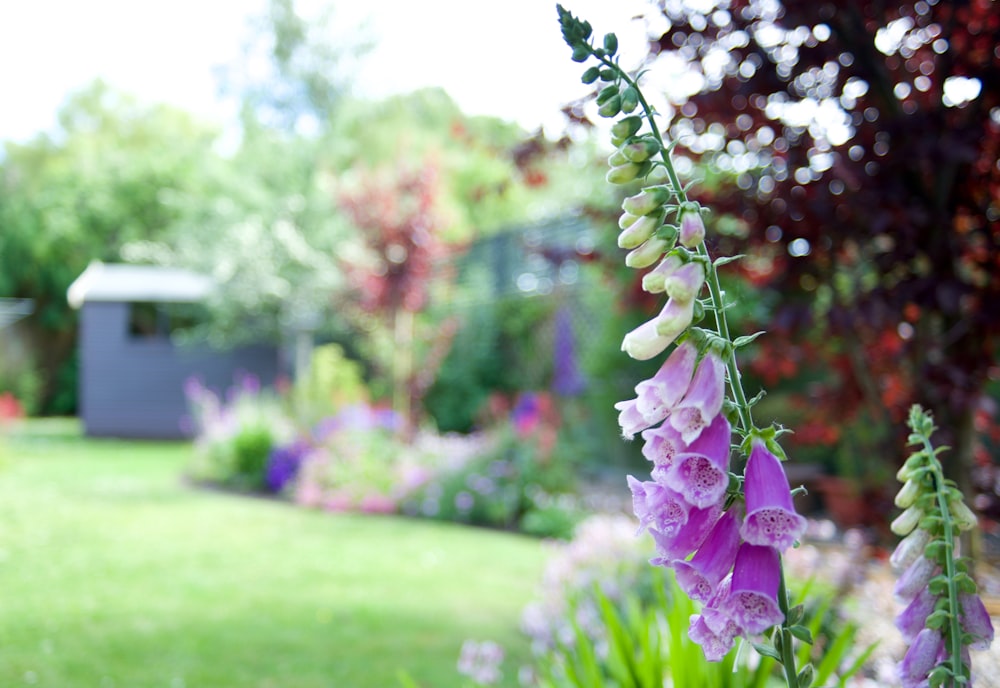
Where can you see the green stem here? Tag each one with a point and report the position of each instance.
(787, 655)
(954, 625)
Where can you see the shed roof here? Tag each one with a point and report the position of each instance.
(124, 282)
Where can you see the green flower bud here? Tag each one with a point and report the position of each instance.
(965, 519)
(641, 150)
(906, 521)
(646, 254)
(626, 126)
(630, 99)
(908, 495)
(617, 158)
(623, 174)
(580, 53)
(698, 312)
(655, 281)
(611, 108)
(607, 93)
(590, 76)
(627, 220)
(692, 230)
(611, 43)
(640, 231)
(646, 201)
(913, 463)
(685, 283)
(608, 74)
(668, 233)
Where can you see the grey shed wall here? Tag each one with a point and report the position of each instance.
(133, 387)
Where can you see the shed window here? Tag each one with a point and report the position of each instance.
(149, 320)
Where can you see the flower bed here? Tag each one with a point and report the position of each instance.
(358, 459)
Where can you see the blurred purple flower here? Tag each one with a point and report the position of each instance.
(357, 417)
(976, 621)
(464, 501)
(921, 658)
(284, 463)
(481, 661)
(527, 413)
(566, 378)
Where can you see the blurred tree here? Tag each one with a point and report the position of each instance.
(77, 195)
(862, 138)
(395, 213)
(295, 69)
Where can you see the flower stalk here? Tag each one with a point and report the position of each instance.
(667, 504)
(943, 615)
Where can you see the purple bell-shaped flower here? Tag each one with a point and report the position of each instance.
(771, 518)
(658, 507)
(921, 658)
(703, 400)
(701, 474)
(662, 445)
(656, 397)
(700, 576)
(686, 537)
(752, 602)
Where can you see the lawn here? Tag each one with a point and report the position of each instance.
(113, 572)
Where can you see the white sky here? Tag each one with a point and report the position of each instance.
(502, 58)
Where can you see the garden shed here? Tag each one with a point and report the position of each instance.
(132, 366)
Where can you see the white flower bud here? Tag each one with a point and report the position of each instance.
(647, 254)
(908, 549)
(908, 494)
(906, 521)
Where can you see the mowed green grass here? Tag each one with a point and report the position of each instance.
(114, 573)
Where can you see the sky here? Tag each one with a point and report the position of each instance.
(505, 59)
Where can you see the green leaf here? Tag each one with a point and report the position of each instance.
(740, 342)
(802, 633)
(796, 613)
(857, 664)
(835, 654)
(937, 619)
(766, 651)
(725, 260)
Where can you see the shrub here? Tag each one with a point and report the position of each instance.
(236, 435)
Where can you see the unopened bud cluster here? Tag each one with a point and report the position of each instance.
(943, 616)
(652, 241)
